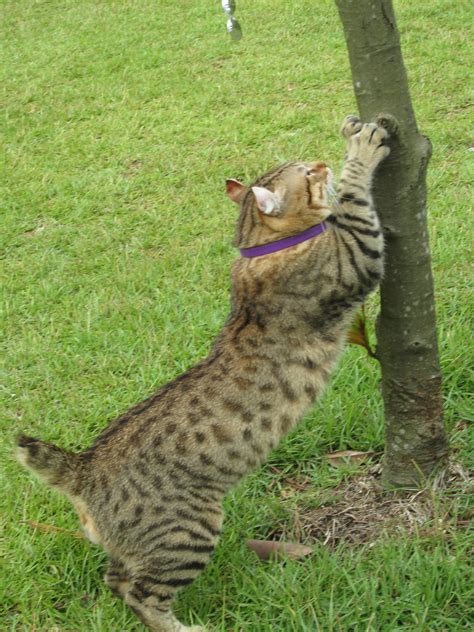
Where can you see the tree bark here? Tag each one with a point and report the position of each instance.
(406, 328)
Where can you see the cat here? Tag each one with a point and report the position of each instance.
(150, 488)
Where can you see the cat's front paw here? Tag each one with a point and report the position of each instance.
(351, 125)
(369, 144)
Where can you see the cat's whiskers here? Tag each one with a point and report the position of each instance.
(332, 195)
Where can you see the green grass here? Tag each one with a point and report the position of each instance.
(120, 122)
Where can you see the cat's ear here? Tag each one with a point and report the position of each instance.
(268, 202)
(235, 190)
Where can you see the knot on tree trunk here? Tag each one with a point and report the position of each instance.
(388, 122)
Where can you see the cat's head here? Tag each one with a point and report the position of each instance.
(283, 202)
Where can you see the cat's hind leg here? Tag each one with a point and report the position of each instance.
(117, 577)
(152, 589)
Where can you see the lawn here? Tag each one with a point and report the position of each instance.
(121, 121)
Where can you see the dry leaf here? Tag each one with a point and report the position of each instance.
(462, 425)
(287, 493)
(267, 549)
(358, 333)
(344, 457)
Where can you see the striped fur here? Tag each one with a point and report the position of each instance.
(150, 488)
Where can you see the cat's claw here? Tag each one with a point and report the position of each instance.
(351, 125)
(368, 145)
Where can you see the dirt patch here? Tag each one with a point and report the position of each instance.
(359, 511)
(133, 168)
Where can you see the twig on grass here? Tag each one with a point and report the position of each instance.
(49, 528)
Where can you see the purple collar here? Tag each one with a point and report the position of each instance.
(281, 244)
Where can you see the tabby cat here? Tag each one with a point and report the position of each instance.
(150, 489)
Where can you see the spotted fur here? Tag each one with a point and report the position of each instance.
(150, 488)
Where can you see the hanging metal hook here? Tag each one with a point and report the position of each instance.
(233, 27)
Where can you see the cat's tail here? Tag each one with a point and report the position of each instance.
(55, 466)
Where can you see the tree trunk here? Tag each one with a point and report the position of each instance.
(406, 328)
